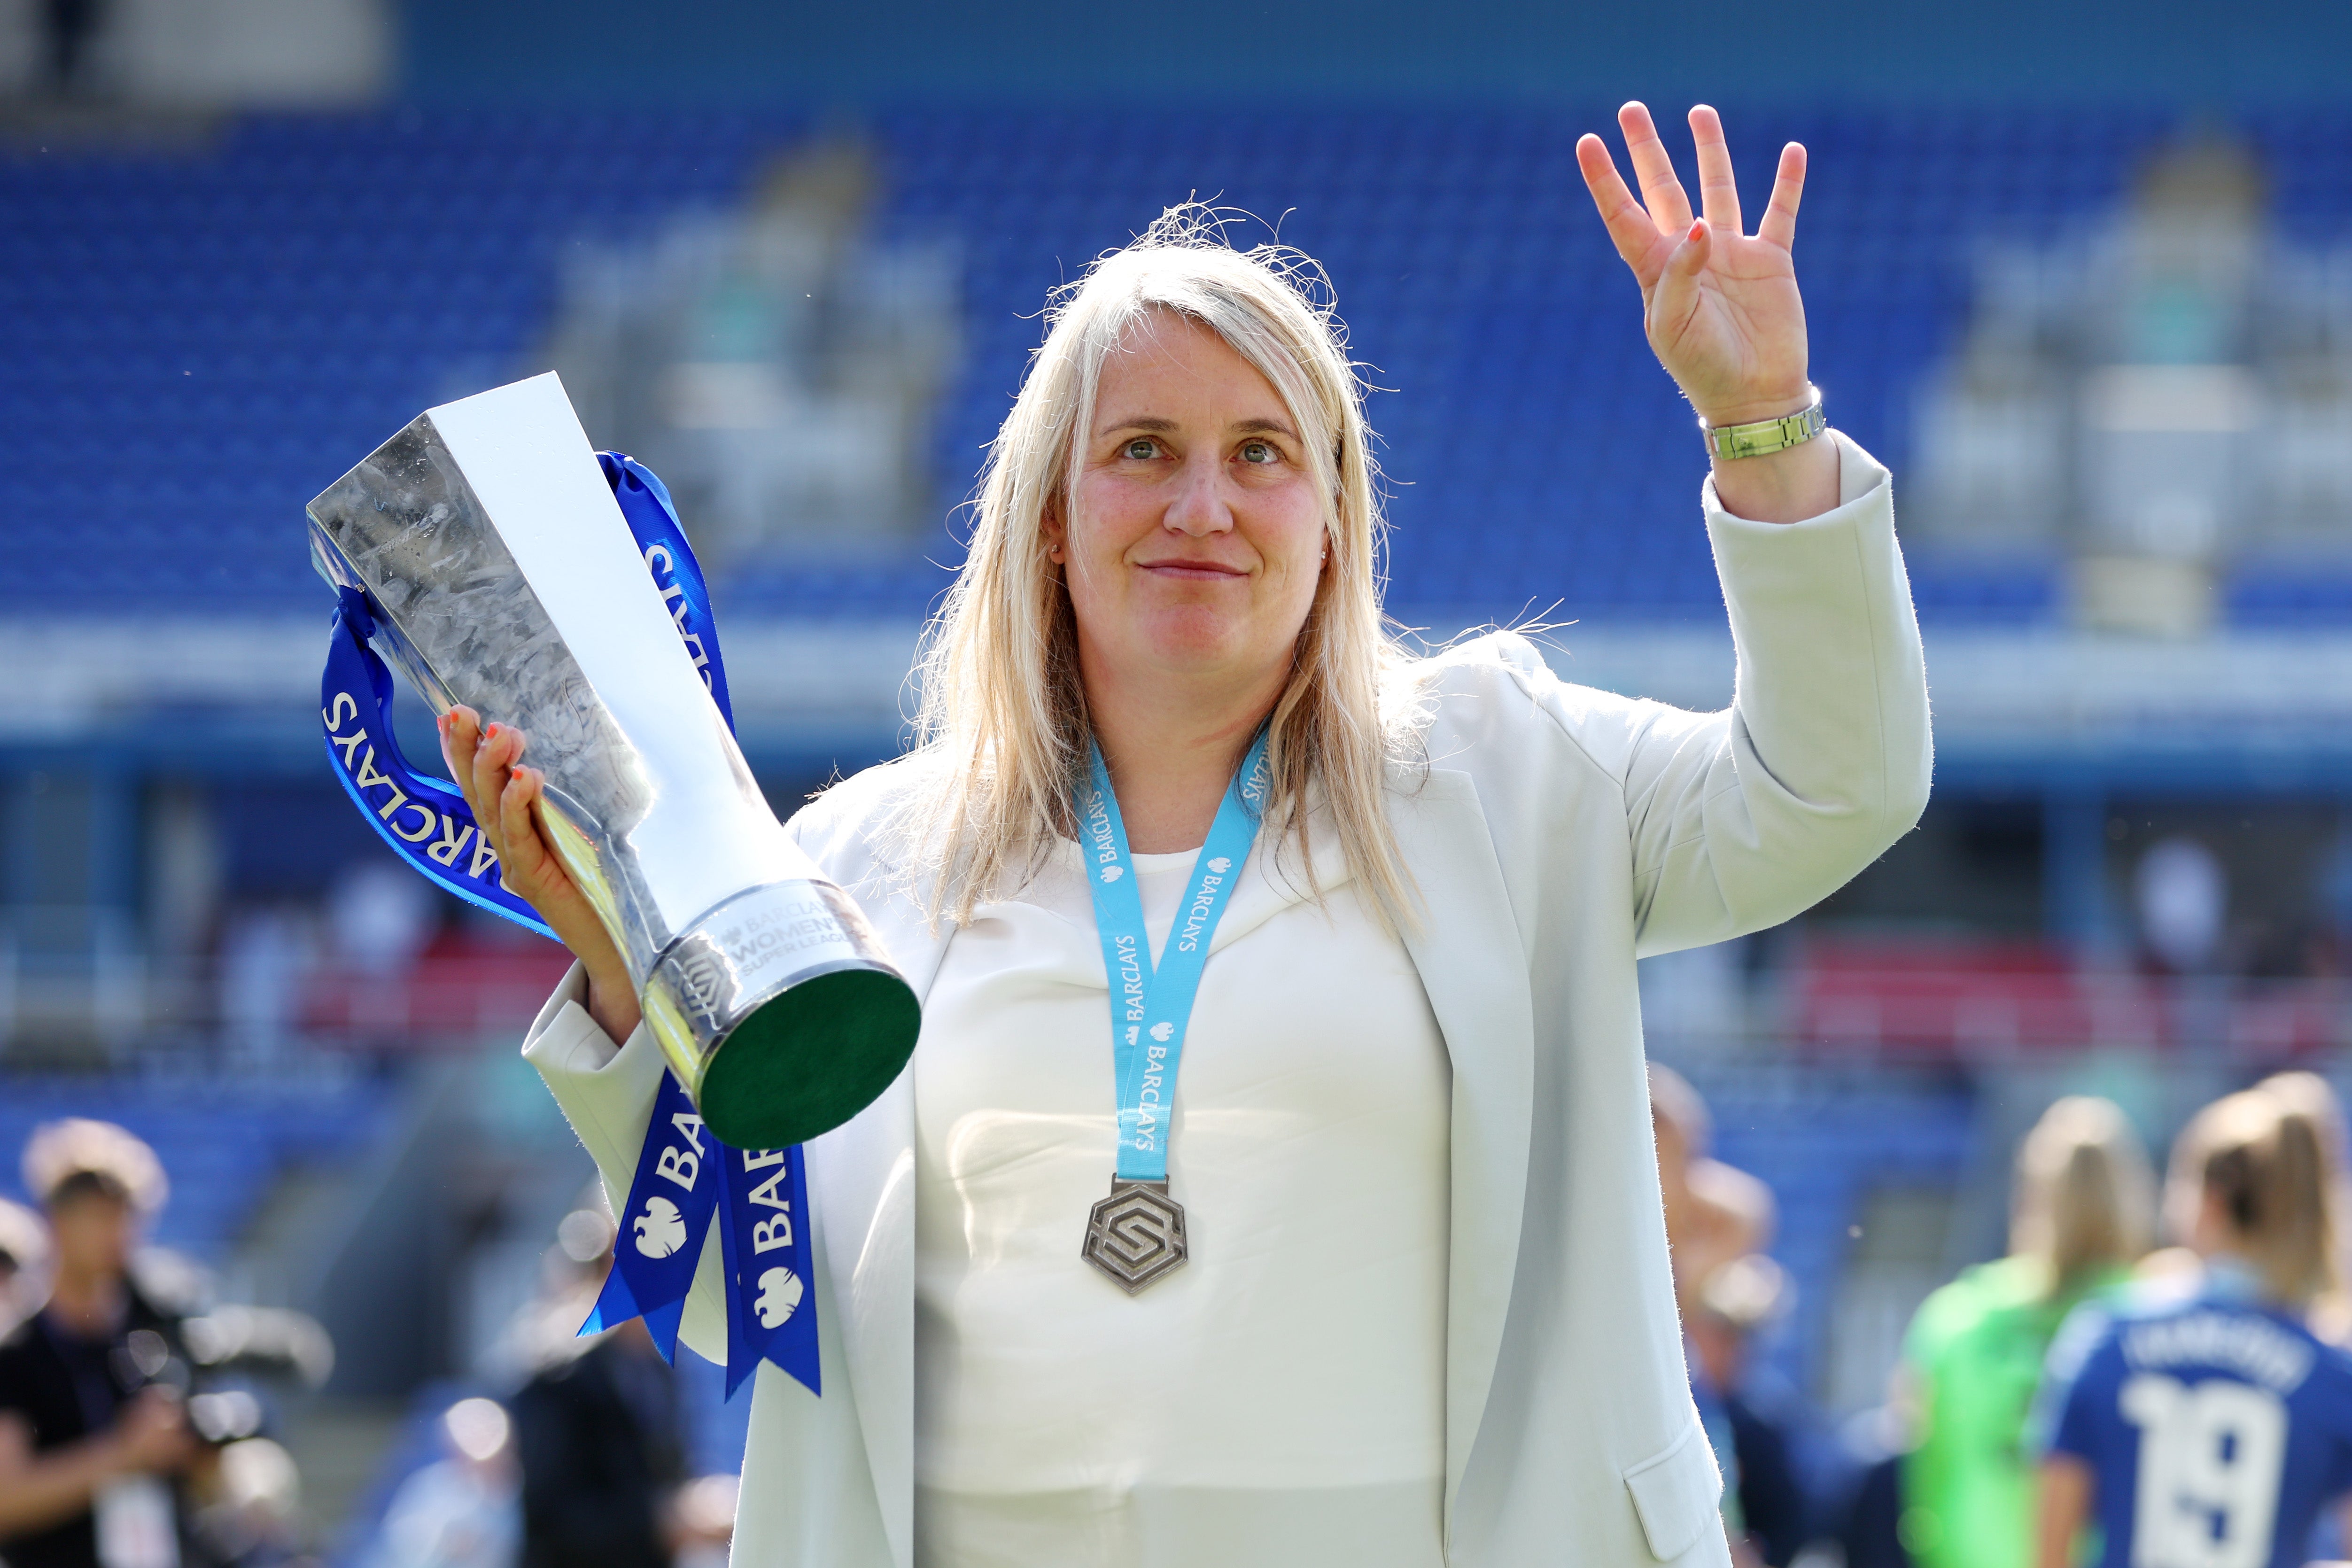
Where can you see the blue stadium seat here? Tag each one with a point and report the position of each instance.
(292, 295)
(221, 1140)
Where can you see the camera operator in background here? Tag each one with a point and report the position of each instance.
(93, 1448)
(128, 1435)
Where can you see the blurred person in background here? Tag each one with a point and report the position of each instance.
(1865, 1519)
(2183, 894)
(2307, 1092)
(2080, 1206)
(600, 1435)
(24, 1264)
(268, 955)
(69, 29)
(2177, 1262)
(2205, 1426)
(92, 1451)
(1733, 1304)
(463, 1509)
(1716, 1214)
(127, 1438)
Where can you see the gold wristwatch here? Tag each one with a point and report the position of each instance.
(1766, 437)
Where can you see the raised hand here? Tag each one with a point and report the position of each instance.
(487, 764)
(1721, 306)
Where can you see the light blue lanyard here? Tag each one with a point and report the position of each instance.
(1151, 1002)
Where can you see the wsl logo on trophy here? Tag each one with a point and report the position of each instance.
(498, 561)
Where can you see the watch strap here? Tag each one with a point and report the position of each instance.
(1764, 437)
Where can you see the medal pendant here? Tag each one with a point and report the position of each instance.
(1137, 1235)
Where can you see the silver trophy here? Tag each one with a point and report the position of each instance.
(504, 578)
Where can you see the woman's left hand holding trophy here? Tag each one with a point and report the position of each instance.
(487, 764)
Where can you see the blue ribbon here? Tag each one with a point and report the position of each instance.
(666, 1224)
(666, 1220)
(424, 820)
(765, 1235)
(653, 519)
(1151, 1002)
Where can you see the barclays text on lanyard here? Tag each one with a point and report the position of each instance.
(1135, 1235)
(684, 1178)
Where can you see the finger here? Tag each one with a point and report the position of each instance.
(492, 776)
(1676, 295)
(1670, 209)
(1689, 257)
(1719, 190)
(1780, 225)
(521, 851)
(555, 876)
(1630, 228)
(461, 731)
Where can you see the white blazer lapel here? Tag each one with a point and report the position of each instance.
(1472, 965)
(862, 1187)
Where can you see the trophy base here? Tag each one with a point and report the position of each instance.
(781, 1015)
(810, 1059)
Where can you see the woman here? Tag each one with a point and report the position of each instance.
(1426, 1315)
(1716, 1213)
(2207, 1427)
(2331, 1313)
(2082, 1206)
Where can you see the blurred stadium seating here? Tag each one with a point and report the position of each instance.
(1941, 998)
(205, 329)
(205, 333)
(1824, 1143)
(224, 1140)
(206, 318)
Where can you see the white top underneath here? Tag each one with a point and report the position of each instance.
(1280, 1398)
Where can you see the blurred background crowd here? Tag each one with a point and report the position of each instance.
(146, 1421)
(1948, 1470)
(2081, 274)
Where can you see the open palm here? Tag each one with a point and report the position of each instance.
(1721, 306)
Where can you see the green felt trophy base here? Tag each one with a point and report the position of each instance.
(809, 1058)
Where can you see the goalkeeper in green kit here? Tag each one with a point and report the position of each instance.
(2079, 1217)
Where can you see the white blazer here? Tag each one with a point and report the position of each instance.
(1554, 833)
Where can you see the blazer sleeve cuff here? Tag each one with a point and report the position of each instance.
(1832, 691)
(1864, 485)
(607, 1093)
(606, 1090)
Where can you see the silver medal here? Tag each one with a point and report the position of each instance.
(1137, 1235)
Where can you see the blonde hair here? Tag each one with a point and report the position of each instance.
(1003, 718)
(2084, 1192)
(2311, 1094)
(2261, 1158)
